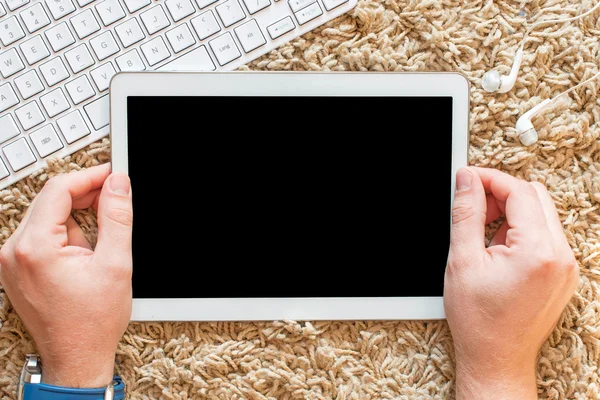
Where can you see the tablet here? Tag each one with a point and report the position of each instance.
(305, 196)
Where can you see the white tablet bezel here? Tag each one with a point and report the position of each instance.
(289, 84)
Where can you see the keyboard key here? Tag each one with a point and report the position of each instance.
(2, 10)
(29, 115)
(155, 50)
(60, 8)
(104, 45)
(110, 11)
(196, 60)
(3, 170)
(129, 32)
(29, 84)
(59, 36)
(10, 31)
(85, 24)
(10, 63)
(255, 6)
(14, 4)
(180, 38)
(34, 50)
(134, 5)
(79, 58)
(205, 25)
(331, 4)
(250, 36)
(35, 17)
(73, 127)
(46, 141)
(130, 61)
(204, 3)
(54, 71)
(230, 12)
(297, 5)
(8, 128)
(55, 102)
(80, 89)
(308, 13)
(154, 19)
(225, 48)
(8, 97)
(179, 9)
(19, 154)
(98, 111)
(281, 27)
(102, 75)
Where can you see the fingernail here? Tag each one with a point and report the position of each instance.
(463, 180)
(119, 184)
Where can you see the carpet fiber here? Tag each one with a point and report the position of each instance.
(409, 360)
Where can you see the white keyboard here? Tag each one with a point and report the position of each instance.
(57, 58)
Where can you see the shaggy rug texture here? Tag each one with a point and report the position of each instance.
(406, 360)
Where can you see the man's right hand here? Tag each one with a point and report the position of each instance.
(74, 301)
(503, 301)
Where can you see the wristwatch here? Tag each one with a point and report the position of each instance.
(31, 386)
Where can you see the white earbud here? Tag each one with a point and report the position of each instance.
(525, 129)
(492, 81)
(527, 133)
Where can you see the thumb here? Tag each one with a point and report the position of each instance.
(115, 218)
(467, 238)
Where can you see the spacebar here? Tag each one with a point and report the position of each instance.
(98, 111)
(196, 60)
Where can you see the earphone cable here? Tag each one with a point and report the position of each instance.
(555, 21)
(566, 92)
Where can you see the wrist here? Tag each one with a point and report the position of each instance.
(495, 383)
(82, 371)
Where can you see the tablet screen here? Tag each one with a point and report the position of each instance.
(290, 196)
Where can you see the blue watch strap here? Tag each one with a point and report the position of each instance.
(42, 391)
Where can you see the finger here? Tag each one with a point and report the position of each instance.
(75, 234)
(87, 200)
(552, 218)
(467, 238)
(494, 209)
(115, 218)
(523, 208)
(55, 200)
(499, 238)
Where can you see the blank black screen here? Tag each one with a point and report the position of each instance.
(289, 196)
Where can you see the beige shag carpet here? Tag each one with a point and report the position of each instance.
(406, 360)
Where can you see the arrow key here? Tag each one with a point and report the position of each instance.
(281, 27)
(309, 13)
